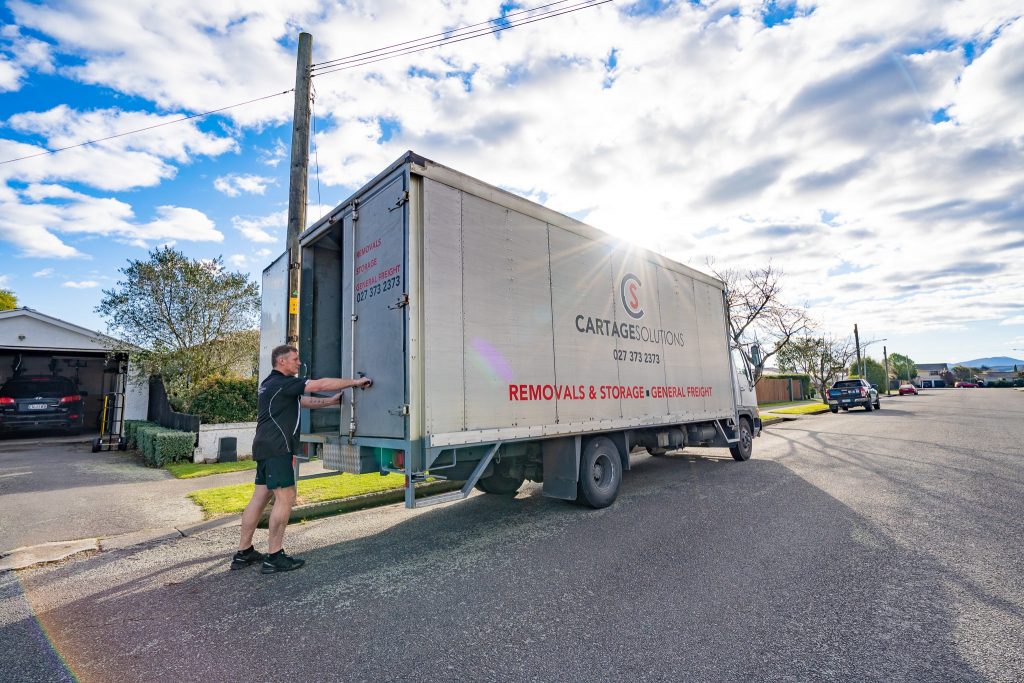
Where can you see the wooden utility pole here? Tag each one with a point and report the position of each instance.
(885, 354)
(298, 180)
(856, 339)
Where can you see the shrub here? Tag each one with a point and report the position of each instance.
(170, 445)
(222, 399)
(131, 428)
(160, 445)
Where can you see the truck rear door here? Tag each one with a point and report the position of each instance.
(374, 290)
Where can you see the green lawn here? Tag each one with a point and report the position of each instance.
(191, 470)
(802, 410)
(233, 499)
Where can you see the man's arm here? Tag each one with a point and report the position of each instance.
(317, 402)
(335, 384)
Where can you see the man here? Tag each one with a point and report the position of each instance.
(277, 430)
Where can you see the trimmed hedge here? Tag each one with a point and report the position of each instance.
(160, 445)
(130, 432)
(225, 399)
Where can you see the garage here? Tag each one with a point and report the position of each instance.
(33, 344)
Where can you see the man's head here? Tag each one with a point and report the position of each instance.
(285, 359)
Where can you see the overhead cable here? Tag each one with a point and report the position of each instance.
(139, 130)
(431, 42)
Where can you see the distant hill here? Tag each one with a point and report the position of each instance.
(1004, 363)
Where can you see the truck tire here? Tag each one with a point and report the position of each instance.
(878, 403)
(600, 473)
(834, 409)
(500, 485)
(742, 450)
(868, 407)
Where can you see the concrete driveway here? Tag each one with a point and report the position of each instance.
(58, 490)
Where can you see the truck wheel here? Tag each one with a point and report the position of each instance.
(878, 404)
(600, 473)
(742, 450)
(868, 407)
(500, 485)
(845, 408)
(834, 409)
(96, 445)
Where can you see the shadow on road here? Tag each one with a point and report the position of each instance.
(727, 571)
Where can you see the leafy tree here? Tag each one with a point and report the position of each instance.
(962, 373)
(823, 358)
(758, 317)
(875, 372)
(186, 319)
(902, 367)
(8, 301)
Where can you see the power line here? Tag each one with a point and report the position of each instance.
(139, 130)
(551, 10)
(445, 34)
(427, 43)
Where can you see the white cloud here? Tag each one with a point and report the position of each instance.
(1017, 320)
(45, 272)
(235, 184)
(32, 221)
(20, 53)
(255, 229)
(83, 284)
(275, 155)
(237, 260)
(855, 147)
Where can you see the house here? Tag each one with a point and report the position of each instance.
(931, 375)
(34, 343)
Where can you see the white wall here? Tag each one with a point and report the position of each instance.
(210, 435)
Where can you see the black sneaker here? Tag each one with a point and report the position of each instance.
(245, 558)
(280, 562)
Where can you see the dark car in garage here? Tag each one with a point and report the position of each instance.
(40, 402)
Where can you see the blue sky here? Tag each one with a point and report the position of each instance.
(874, 151)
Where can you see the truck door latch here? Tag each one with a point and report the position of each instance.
(401, 303)
(400, 410)
(401, 200)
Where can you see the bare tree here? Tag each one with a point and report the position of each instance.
(823, 358)
(760, 322)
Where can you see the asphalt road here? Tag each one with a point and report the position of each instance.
(878, 546)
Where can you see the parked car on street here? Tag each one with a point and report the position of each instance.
(38, 402)
(847, 393)
(966, 385)
(908, 389)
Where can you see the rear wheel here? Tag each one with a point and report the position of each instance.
(745, 446)
(845, 408)
(834, 409)
(868, 407)
(600, 473)
(96, 445)
(878, 404)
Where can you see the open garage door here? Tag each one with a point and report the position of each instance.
(93, 374)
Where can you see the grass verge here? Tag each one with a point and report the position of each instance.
(225, 500)
(802, 410)
(191, 470)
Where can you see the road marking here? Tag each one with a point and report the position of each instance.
(14, 474)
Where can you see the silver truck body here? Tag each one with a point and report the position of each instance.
(495, 328)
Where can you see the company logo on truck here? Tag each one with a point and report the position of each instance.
(629, 288)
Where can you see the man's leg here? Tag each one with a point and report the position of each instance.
(284, 499)
(251, 516)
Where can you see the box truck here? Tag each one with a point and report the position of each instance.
(506, 342)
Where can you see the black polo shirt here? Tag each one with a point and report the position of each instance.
(277, 418)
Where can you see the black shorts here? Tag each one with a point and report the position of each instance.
(275, 473)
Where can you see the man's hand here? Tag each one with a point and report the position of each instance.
(363, 383)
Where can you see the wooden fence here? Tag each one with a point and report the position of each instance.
(160, 410)
(770, 390)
